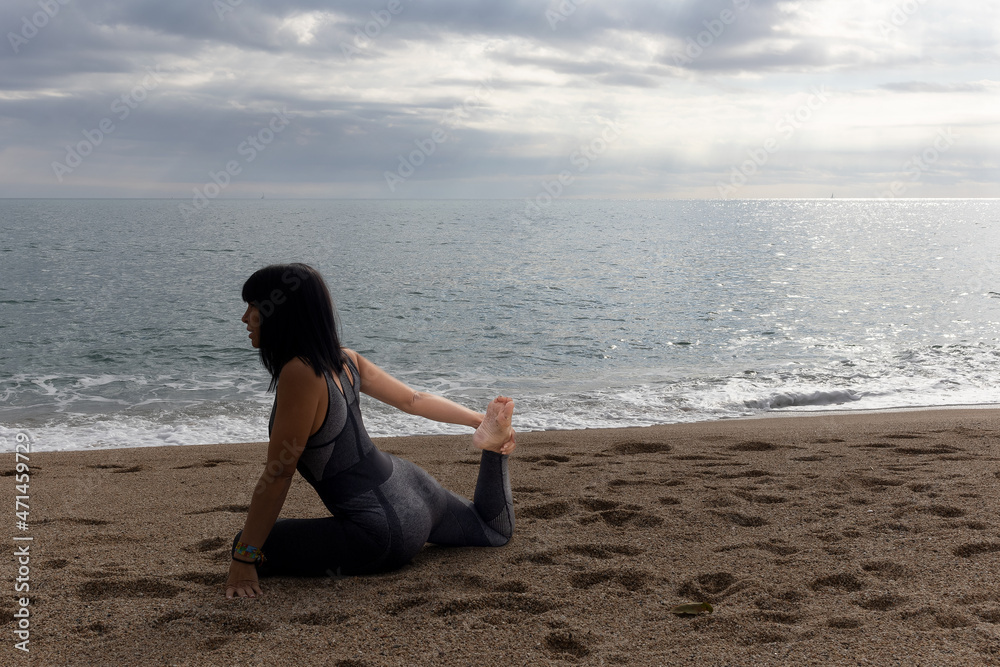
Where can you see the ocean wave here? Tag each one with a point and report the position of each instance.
(792, 399)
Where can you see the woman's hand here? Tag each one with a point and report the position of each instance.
(242, 581)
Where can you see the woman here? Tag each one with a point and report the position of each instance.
(384, 508)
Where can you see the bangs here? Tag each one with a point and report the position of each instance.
(259, 285)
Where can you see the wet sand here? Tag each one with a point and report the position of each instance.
(831, 539)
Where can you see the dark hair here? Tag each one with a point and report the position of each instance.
(298, 318)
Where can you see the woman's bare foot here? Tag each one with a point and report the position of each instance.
(495, 433)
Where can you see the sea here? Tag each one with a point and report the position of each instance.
(120, 319)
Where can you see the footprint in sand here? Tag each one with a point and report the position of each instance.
(782, 617)
(753, 446)
(231, 623)
(874, 445)
(510, 602)
(989, 615)
(538, 558)
(397, 608)
(479, 584)
(710, 587)
(720, 500)
(630, 448)
(624, 517)
(323, 618)
(207, 463)
(633, 580)
(598, 504)
(943, 511)
(603, 551)
(204, 578)
(702, 457)
(927, 451)
(747, 473)
(775, 547)
(976, 548)
(844, 581)
(208, 544)
(545, 459)
(564, 642)
(239, 509)
(743, 520)
(760, 497)
(98, 628)
(84, 521)
(631, 482)
(551, 510)
(227, 624)
(878, 600)
(878, 483)
(104, 589)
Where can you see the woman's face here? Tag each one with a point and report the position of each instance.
(252, 319)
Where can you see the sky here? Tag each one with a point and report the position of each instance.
(499, 99)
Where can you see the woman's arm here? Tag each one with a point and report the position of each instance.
(380, 385)
(298, 396)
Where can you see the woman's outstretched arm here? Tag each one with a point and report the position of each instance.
(380, 385)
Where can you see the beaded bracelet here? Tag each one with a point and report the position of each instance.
(255, 554)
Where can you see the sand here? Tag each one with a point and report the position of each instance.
(833, 539)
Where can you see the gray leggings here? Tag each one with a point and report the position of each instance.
(389, 523)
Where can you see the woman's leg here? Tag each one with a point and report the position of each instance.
(328, 546)
(489, 519)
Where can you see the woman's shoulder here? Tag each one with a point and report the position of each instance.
(351, 355)
(297, 371)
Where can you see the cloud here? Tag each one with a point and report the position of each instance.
(925, 87)
(364, 82)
